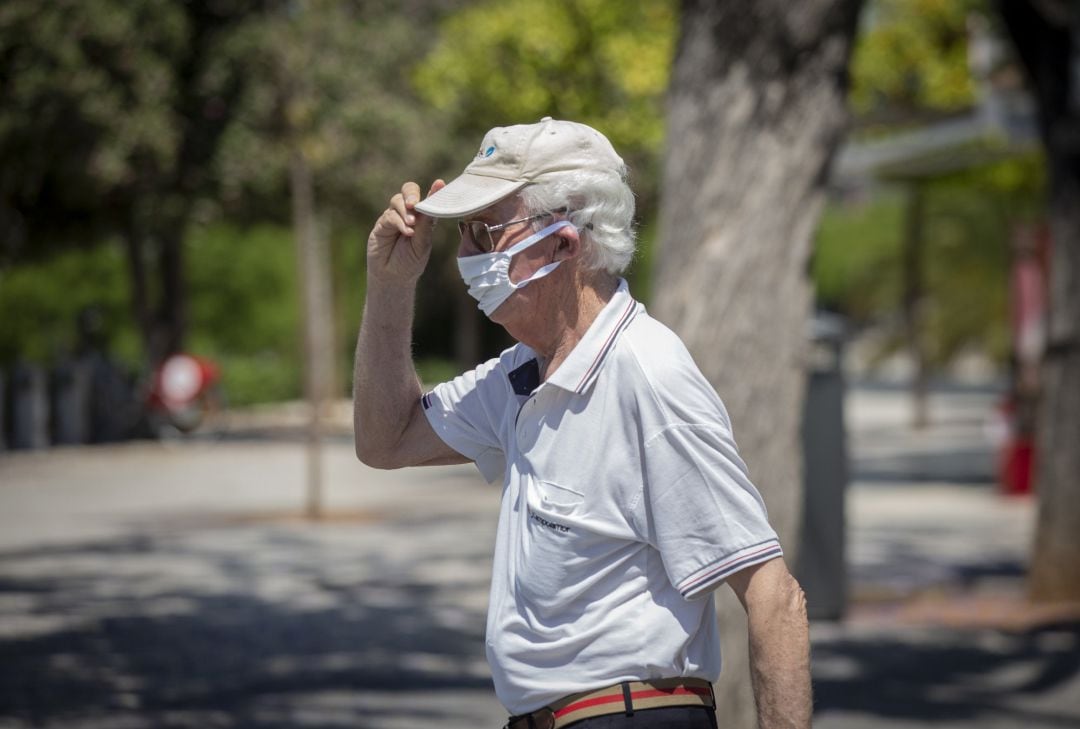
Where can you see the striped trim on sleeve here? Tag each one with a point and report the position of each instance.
(711, 575)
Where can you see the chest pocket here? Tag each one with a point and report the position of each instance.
(559, 552)
(557, 499)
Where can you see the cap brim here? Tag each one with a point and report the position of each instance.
(468, 194)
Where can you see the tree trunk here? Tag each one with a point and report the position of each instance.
(160, 310)
(1047, 38)
(756, 110)
(313, 265)
(914, 303)
(171, 320)
(140, 297)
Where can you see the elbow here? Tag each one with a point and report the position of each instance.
(375, 460)
(792, 596)
(373, 457)
(798, 599)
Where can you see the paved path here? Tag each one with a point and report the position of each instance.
(157, 585)
(939, 633)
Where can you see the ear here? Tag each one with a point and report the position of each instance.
(567, 244)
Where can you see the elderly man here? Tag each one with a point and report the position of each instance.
(624, 500)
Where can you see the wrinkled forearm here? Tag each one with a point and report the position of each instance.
(780, 660)
(385, 385)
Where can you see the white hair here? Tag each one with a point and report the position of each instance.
(599, 204)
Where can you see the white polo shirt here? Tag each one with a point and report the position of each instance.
(624, 500)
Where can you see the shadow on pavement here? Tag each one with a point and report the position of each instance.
(231, 627)
(948, 676)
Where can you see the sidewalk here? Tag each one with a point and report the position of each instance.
(175, 585)
(939, 632)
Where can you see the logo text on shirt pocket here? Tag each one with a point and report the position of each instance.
(554, 526)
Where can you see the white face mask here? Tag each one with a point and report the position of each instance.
(488, 274)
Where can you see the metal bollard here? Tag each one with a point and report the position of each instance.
(822, 567)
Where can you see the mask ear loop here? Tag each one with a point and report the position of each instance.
(536, 237)
(540, 273)
(532, 240)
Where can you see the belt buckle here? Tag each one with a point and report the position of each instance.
(545, 718)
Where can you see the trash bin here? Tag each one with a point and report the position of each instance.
(821, 566)
(29, 407)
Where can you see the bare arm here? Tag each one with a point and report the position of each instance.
(779, 644)
(389, 425)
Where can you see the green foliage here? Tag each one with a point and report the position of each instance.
(110, 115)
(244, 308)
(330, 80)
(857, 256)
(100, 71)
(967, 275)
(109, 127)
(912, 57)
(968, 218)
(601, 63)
(257, 378)
(911, 66)
(349, 281)
(40, 303)
(433, 370)
(243, 289)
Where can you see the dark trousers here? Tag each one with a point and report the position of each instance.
(673, 717)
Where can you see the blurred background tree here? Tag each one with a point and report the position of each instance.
(910, 64)
(165, 130)
(159, 129)
(1046, 36)
(913, 67)
(113, 119)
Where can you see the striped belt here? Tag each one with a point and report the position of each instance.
(621, 698)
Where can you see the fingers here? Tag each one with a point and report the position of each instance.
(404, 211)
(392, 221)
(400, 215)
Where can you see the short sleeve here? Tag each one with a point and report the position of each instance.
(466, 413)
(703, 514)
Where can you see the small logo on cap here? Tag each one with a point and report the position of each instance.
(487, 152)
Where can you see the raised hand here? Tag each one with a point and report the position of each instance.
(400, 244)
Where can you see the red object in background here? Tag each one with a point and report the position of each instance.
(184, 390)
(1015, 467)
(1028, 312)
(182, 378)
(1028, 293)
(1016, 452)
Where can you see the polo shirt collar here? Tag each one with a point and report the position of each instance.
(580, 369)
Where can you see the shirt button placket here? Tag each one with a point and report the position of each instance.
(525, 426)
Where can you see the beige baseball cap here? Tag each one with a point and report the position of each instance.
(512, 157)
